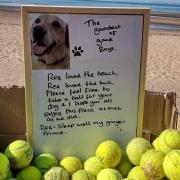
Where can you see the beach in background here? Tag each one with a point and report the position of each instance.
(165, 14)
(163, 63)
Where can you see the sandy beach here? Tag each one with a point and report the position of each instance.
(163, 63)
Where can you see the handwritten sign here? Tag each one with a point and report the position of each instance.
(85, 73)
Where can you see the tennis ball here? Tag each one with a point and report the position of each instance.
(19, 153)
(155, 143)
(152, 164)
(92, 165)
(4, 166)
(29, 173)
(56, 173)
(9, 174)
(109, 154)
(109, 174)
(83, 175)
(45, 161)
(125, 166)
(136, 148)
(168, 140)
(71, 164)
(137, 173)
(171, 165)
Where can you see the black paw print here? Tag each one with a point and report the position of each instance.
(77, 51)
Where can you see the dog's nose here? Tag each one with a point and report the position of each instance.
(39, 33)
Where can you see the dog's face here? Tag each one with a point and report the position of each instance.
(47, 31)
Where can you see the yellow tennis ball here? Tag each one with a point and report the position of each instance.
(19, 153)
(92, 165)
(45, 161)
(109, 154)
(137, 173)
(109, 174)
(9, 174)
(124, 166)
(4, 166)
(56, 173)
(171, 165)
(152, 164)
(136, 148)
(71, 164)
(29, 173)
(155, 143)
(168, 140)
(83, 175)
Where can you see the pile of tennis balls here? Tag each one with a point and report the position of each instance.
(142, 161)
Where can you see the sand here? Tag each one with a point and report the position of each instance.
(163, 62)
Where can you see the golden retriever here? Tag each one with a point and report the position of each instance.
(50, 42)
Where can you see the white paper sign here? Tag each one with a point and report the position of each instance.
(91, 92)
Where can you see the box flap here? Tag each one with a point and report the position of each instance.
(160, 112)
(12, 110)
(178, 122)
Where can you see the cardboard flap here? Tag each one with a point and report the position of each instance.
(12, 110)
(178, 121)
(171, 113)
(160, 112)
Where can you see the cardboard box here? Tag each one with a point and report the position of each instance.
(12, 115)
(12, 110)
(160, 112)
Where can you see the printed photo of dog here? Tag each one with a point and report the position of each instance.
(49, 43)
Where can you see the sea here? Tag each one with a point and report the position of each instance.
(165, 14)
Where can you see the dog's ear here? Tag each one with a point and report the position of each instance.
(67, 36)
